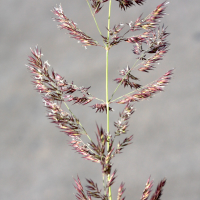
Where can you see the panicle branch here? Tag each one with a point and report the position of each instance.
(84, 149)
(95, 152)
(126, 78)
(80, 195)
(74, 31)
(112, 179)
(93, 190)
(147, 190)
(80, 100)
(54, 89)
(97, 5)
(151, 21)
(114, 38)
(120, 146)
(158, 46)
(122, 123)
(121, 191)
(101, 107)
(155, 39)
(157, 194)
(148, 91)
(67, 122)
(124, 4)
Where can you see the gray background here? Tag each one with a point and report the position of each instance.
(35, 159)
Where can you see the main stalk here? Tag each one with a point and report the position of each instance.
(107, 97)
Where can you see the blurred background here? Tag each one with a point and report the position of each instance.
(36, 161)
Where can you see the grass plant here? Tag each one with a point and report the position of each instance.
(149, 45)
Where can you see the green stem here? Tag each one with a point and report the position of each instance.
(79, 122)
(94, 19)
(107, 97)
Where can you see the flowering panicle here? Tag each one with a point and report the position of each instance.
(112, 179)
(148, 91)
(147, 190)
(68, 123)
(115, 38)
(80, 195)
(124, 4)
(116, 29)
(55, 89)
(83, 100)
(100, 149)
(80, 100)
(97, 5)
(76, 33)
(150, 46)
(139, 2)
(157, 194)
(121, 146)
(151, 21)
(149, 64)
(126, 78)
(157, 45)
(126, 72)
(84, 149)
(52, 85)
(157, 14)
(122, 123)
(101, 107)
(93, 190)
(138, 40)
(91, 151)
(96, 152)
(155, 40)
(121, 191)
